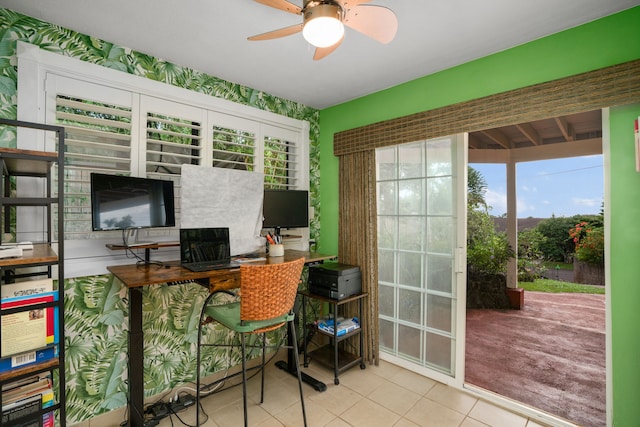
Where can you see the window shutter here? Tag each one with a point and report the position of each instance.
(281, 163)
(233, 148)
(120, 132)
(98, 136)
(97, 139)
(171, 142)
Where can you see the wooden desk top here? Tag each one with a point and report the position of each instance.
(133, 275)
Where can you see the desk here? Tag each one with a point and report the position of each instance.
(135, 276)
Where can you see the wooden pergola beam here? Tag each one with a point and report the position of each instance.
(531, 134)
(498, 137)
(565, 128)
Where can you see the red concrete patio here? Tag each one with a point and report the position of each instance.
(549, 355)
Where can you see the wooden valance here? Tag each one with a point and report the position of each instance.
(606, 87)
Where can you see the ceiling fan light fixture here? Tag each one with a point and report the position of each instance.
(323, 25)
(323, 22)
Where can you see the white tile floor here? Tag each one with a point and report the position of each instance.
(385, 395)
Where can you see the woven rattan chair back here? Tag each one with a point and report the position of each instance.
(268, 291)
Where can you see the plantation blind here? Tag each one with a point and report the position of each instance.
(120, 131)
(281, 163)
(234, 142)
(171, 141)
(98, 139)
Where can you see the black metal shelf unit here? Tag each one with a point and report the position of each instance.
(44, 260)
(332, 355)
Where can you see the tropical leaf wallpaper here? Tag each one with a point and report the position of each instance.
(96, 310)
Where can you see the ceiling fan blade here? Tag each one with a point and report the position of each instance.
(322, 52)
(377, 22)
(346, 4)
(282, 5)
(281, 32)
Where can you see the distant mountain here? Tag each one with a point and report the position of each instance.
(523, 223)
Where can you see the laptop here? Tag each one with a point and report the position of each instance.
(203, 249)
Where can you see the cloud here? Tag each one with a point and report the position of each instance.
(586, 201)
(523, 206)
(497, 200)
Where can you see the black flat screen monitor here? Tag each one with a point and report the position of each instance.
(123, 202)
(285, 209)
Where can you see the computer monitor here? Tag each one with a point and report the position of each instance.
(124, 202)
(285, 209)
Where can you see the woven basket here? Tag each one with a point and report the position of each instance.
(268, 291)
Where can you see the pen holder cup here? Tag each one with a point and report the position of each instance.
(276, 250)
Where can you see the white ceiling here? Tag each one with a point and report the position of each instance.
(211, 36)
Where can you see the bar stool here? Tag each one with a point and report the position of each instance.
(267, 296)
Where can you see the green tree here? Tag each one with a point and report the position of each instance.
(559, 246)
(476, 188)
(589, 242)
(487, 250)
(530, 257)
(591, 248)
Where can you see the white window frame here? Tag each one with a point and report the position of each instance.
(36, 66)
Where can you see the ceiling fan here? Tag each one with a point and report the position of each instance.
(323, 22)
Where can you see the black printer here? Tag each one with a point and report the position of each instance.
(336, 281)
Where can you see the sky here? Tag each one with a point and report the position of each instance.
(560, 187)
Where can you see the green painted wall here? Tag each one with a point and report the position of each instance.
(611, 40)
(625, 284)
(608, 41)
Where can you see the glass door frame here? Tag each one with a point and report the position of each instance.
(459, 277)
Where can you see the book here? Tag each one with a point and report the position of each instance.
(24, 300)
(10, 252)
(39, 384)
(25, 399)
(48, 420)
(29, 329)
(18, 412)
(26, 288)
(43, 389)
(28, 358)
(344, 326)
(23, 382)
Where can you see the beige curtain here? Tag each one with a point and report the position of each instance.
(357, 244)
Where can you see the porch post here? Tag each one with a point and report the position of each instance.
(512, 223)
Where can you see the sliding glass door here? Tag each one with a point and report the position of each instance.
(421, 198)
